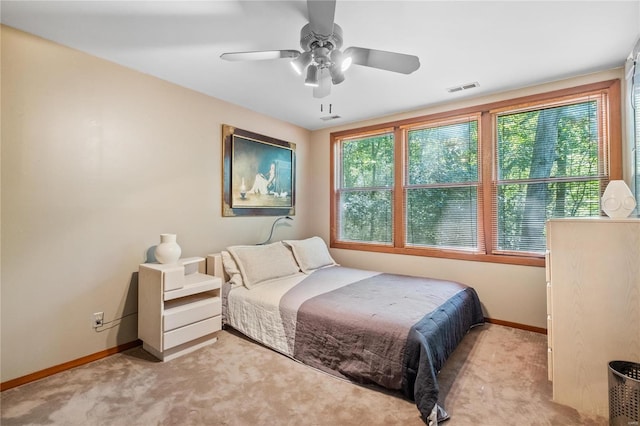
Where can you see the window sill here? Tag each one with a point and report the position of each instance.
(457, 255)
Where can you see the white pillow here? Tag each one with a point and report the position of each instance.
(231, 268)
(263, 262)
(311, 254)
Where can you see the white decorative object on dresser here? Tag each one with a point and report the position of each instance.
(179, 307)
(593, 306)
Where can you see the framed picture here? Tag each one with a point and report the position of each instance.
(258, 174)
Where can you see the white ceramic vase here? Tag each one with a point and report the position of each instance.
(168, 251)
(618, 200)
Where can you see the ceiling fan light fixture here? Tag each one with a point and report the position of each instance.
(312, 76)
(346, 63)
(301, 62)
(337, 59)
(337, 76)
(351, 56)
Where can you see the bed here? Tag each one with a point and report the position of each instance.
(372, 328)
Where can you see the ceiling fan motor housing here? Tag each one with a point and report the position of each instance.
(309, 40)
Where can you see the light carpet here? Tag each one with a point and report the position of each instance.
(497, 376)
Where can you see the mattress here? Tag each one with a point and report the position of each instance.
(390, 330)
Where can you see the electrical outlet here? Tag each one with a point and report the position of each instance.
(98, 319)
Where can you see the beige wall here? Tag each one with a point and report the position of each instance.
(508, 292)
(97, 161)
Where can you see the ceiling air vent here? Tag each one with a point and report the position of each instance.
(463, 87)
(330, 117)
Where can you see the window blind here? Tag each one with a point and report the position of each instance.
(635, 87)
(550, 163)
(366, 189)
(442, 185)
(632, 103)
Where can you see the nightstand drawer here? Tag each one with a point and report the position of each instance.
(172, 277)
(189, 310)
(190, 332)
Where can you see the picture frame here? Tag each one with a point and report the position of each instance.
(258, 174)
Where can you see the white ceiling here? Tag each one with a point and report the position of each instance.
(501, 44)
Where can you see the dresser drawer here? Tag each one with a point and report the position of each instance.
(189, 310)
(192, 331)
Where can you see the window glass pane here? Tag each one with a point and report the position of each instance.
(443, 154)
(555, 150)
(636, 96)
(524, 208)
(442, 217)
(552, 142)
(368, 162)
(366, 216)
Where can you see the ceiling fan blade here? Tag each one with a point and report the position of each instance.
(260, 55)
(389, 61)
(321, 15)
(324, 84)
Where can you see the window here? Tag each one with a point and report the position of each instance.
(442, 185)
(478, 183)
(366, 189)
(636, 97)
(632, 98)
(635, 116)
(548, 165)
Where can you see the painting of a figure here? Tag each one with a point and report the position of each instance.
(264, 184)
(259, 175)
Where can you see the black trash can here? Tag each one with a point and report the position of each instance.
(624, 393)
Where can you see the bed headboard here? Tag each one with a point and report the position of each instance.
(214, 266)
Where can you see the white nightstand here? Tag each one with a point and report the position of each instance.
(179, 307)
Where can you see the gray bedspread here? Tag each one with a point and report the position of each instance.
(394, 331)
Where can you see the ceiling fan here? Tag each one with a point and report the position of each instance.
(321, 60)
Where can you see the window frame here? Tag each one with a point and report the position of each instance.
(635, 133)
(339, 172)
(406, 186)
(487, 148)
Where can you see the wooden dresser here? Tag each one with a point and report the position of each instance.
(593, 306)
